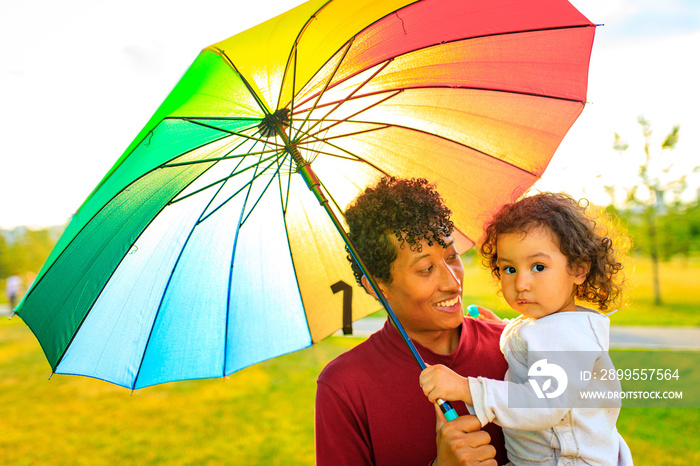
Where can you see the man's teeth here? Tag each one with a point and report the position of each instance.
(449, 303)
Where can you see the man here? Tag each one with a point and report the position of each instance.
(370, 408)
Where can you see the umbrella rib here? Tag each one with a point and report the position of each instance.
(238, 228)
(274, 175)
(230, 273)
(285, 199)
(337, 156)
(107, 281)
(65, 349)
(347, 46)
(472, 88)
(348, 97)
(355, 133)
(351, 154)
(418, 131)
(167, 285)
(212, 117)
(177, 261)
(296, 275)
(235, 133)
(218, 159)
(461, 144)
(294, 90)
(337, 122)
(101, 208)
(223, 180)
(226, 157)
(248, 184)
(294, 49)
(452, 41)
(254, 94)
(353, 38)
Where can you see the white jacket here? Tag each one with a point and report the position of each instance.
(554, 431)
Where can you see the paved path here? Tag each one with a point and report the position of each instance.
(621, 336)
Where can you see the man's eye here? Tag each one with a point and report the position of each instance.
(509, 270)
(538, 268)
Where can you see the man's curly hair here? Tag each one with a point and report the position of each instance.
(410, 209)
(579, 237)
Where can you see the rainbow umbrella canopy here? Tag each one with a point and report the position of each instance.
(203, 250)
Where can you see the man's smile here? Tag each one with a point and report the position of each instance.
(448, 303)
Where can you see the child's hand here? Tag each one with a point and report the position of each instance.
(440, 382)
(479, 312)
(487, 314)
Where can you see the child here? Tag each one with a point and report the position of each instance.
(547, 252)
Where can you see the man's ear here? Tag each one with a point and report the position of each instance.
(368, 287)
(581, 272)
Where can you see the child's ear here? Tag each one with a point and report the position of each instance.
(580, 273)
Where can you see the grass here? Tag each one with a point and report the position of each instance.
(262, 415)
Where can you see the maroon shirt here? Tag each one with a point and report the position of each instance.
(370, 408)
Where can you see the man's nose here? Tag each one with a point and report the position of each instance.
(450, 278)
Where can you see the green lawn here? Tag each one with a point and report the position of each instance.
(262, 415)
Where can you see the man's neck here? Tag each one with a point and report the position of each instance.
(438, 341)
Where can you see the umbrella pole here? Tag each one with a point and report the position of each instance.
(314, 184)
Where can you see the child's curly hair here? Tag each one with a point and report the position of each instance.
(410, 209)
(580, 239)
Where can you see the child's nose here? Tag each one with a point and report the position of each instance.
(522, 282)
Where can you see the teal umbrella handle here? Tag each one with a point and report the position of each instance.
(447, 410)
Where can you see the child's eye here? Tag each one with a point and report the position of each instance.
(538, 268)
(508, 270)
(426, 270)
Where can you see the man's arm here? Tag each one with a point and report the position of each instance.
(339, 437)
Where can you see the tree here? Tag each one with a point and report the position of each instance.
(654, 184)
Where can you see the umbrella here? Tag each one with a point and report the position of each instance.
(204, 250)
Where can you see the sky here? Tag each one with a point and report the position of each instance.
(80, 78)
